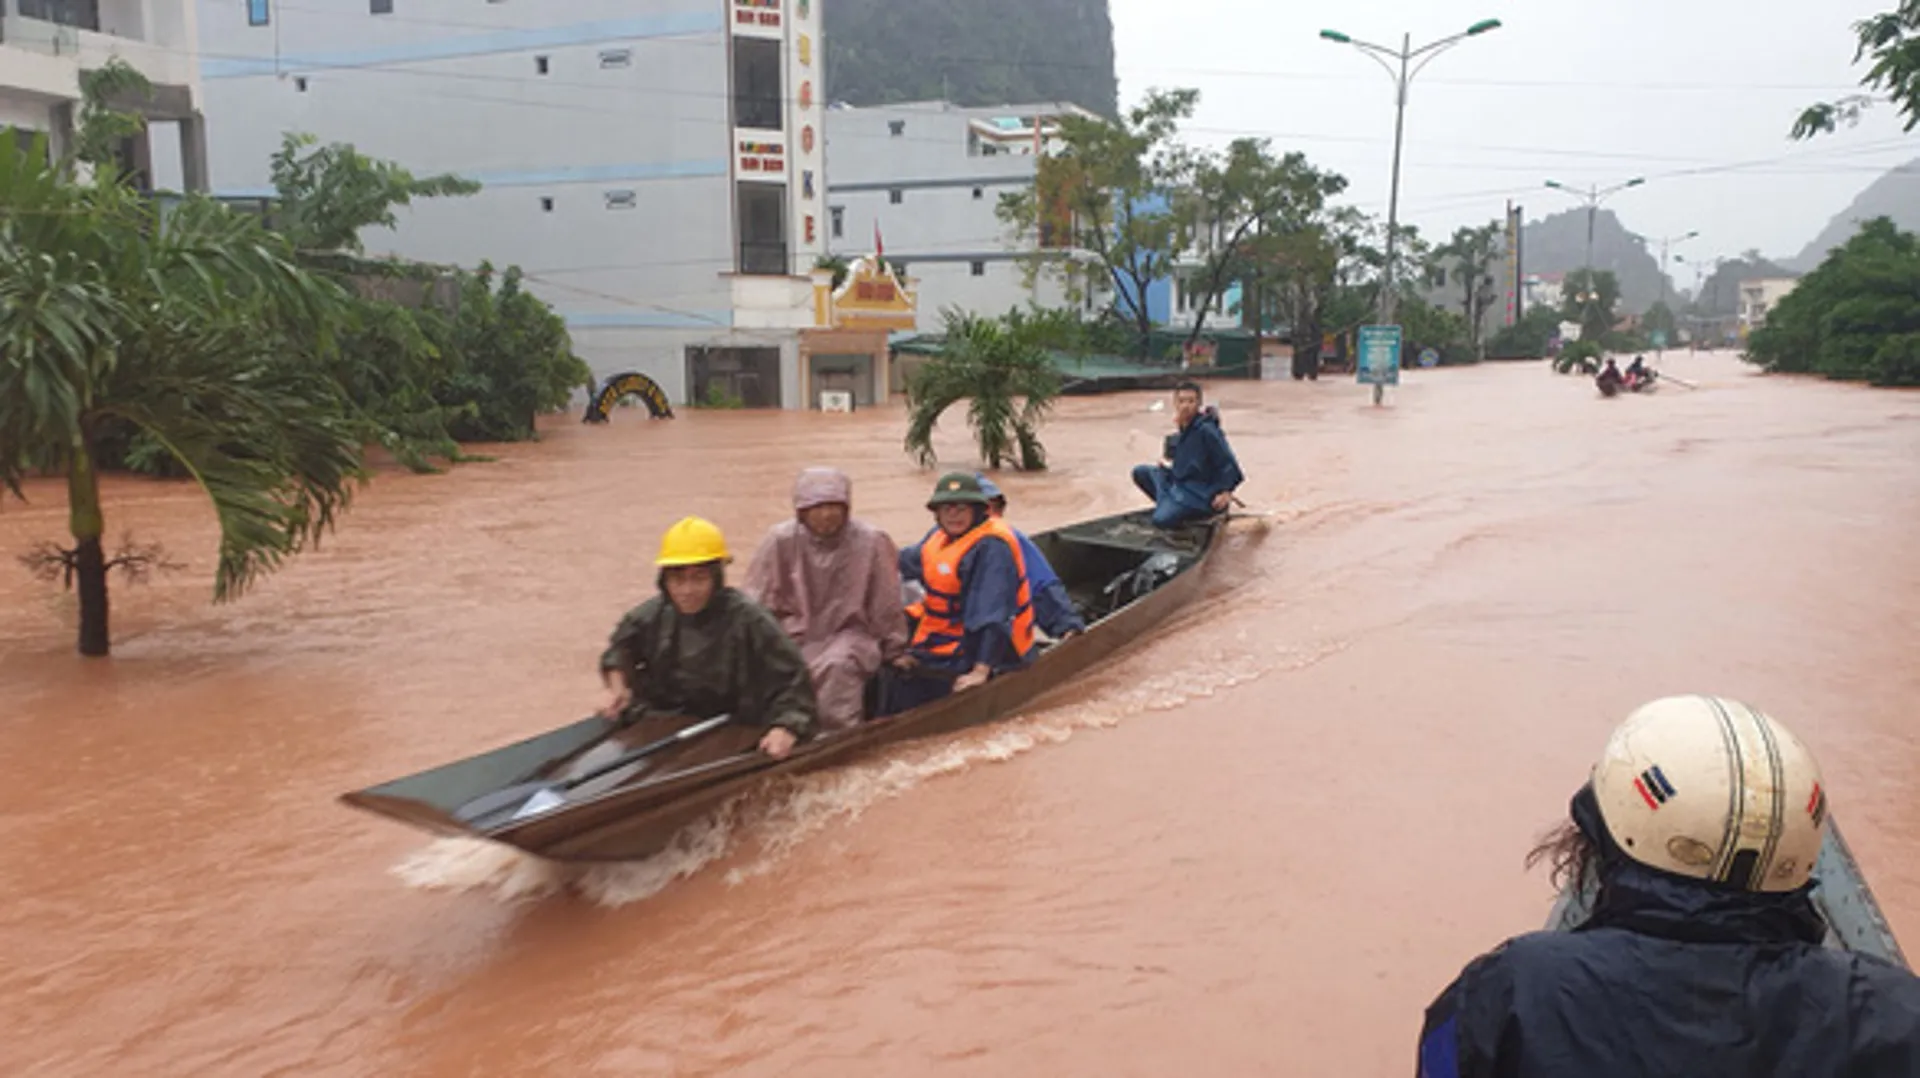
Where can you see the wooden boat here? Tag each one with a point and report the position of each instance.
(1125, 575)
(1854, 920)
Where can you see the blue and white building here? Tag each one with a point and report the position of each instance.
(656, 167)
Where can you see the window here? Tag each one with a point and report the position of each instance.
(979, 269)
(300, 84)
(546, 204)
(80, 14)
(900, 270)
(762, 209)
(616, 58)
(896, 196)
(621, 200)
(837, 215)
(540, 65)
(380, 7)
(257, 12)
(756, 84)
(896, 128)
(979, 193)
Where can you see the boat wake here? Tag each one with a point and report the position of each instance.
(756, 831)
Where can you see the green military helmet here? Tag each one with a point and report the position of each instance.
(957, 488)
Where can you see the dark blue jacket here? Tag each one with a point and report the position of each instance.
(1203, 464)
(989, 598)
(1671, 978)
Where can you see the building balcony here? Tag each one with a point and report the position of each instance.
(45, 44)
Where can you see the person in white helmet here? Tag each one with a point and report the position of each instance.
(1700, 825)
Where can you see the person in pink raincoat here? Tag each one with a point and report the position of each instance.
(833, 583)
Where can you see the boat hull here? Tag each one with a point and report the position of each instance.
(1854, 919)
(640, 819)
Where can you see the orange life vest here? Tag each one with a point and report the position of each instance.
(940, 630)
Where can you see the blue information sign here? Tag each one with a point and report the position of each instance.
(1379, 356)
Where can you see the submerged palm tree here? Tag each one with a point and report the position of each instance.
(1007, 380)
(188, 324)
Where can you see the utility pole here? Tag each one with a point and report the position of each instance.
(1401, 76)
(1593, 196)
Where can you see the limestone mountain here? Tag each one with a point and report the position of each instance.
(971, 52)
(1558, 244)
(1895, 194)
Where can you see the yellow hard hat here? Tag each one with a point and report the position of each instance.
(692, 542)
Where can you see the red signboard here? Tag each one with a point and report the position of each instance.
(761, 13)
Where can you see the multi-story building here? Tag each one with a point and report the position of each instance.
(655, 167)
(1758, 296)
(46, 44)
(923, 180)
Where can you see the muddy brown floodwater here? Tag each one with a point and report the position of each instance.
(1256, 843)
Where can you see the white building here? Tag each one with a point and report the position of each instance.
(927, 177)
(46, 44)
(1759, 295)
(654, 166)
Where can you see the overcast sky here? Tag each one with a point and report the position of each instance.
(1587, 92)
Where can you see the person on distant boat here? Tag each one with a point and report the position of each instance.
(977, 617)
(1201, 472)
(1053, 608)
(833, 583)
(1700, 826)
(702, 649)
(1609, 379)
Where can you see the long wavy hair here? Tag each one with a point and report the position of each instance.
(1569, 854)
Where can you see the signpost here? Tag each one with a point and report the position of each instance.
(1659, 344)
(1379, 362)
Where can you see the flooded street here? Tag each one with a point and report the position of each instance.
(1256, 843)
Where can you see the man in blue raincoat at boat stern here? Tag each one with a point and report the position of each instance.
(1201, 474)
(1053, 609)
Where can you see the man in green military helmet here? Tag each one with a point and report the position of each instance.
(977, 617)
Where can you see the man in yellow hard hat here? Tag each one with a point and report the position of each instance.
(701, 649)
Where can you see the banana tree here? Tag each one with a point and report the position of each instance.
(187, 323)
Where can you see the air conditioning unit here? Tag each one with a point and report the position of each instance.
(836, 400)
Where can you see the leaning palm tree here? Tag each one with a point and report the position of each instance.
(1007, 380)
(187, 324)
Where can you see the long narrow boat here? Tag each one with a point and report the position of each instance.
(1123, 573)
(1845, 902)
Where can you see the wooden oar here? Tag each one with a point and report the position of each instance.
(532, 798)
(1665, 377)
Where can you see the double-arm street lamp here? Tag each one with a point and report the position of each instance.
(1665, 243)
(1401, 75)
(1593, 197)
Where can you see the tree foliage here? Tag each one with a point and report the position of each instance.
(326, 195)
(1856, 318)
(1111, 193)
(1589, 297)
(190, 324)
(997, 366)
(1529, 338)
(1892, 40)
(1467, 261)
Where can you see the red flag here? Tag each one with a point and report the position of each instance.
(879, 249)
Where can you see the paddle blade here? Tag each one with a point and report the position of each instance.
(544, 801)
(499, 801)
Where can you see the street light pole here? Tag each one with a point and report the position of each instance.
(1401, 77)
(1593, 196)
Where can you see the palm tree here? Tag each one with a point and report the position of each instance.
(1007, 379)
(187, 323)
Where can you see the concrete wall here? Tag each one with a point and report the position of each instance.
(607, 176)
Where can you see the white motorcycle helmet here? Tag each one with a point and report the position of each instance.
(1713, 789)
